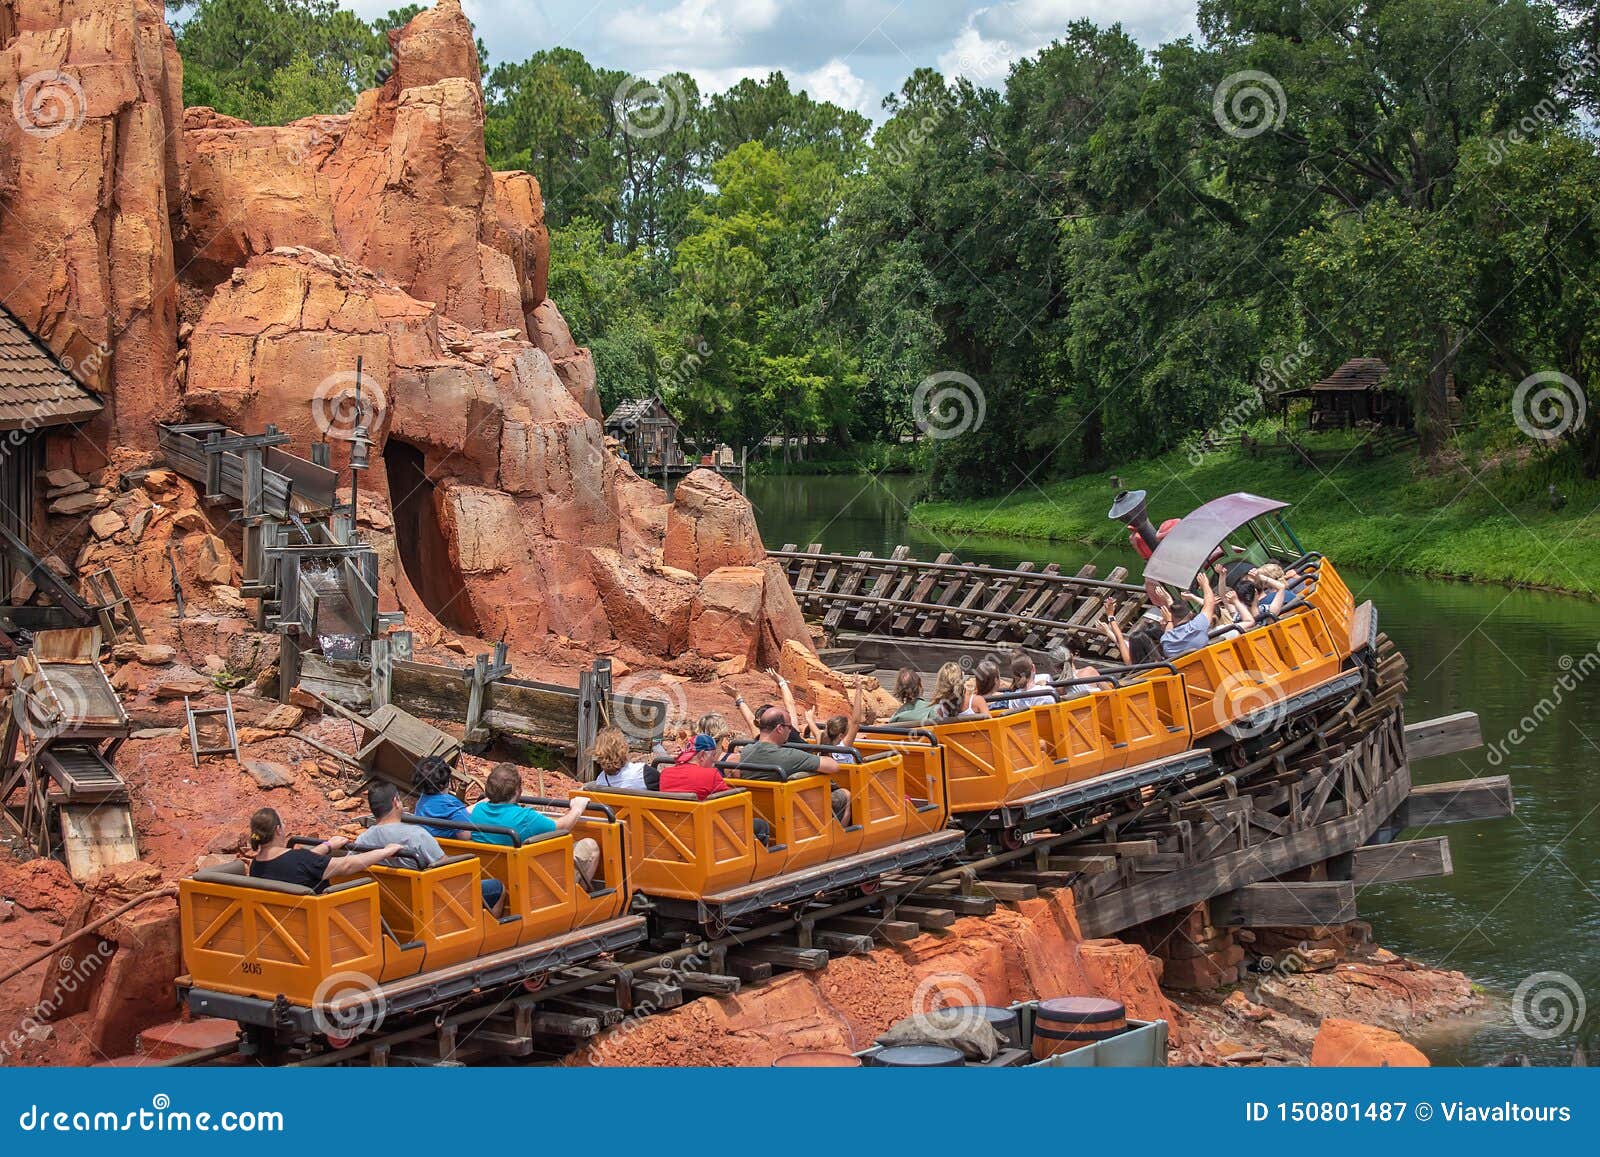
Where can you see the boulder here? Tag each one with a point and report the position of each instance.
(710, 525)
(106, 523)
(726, 616)
(1351, 1044)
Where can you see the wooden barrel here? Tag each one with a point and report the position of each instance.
(919, 1057)
(817, 1061)
(1002, 1020)
(1065, 1023)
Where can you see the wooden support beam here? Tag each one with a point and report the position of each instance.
(1403, 860)
(1459, 801)
(1108, 914)
(1277, 904)
(782, 956)
(893, 931)
(1446, 735)
(749, 971)
(928, 919)
(959, 904)
(842, 943)
(1084, 865)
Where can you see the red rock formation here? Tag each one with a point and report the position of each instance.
(541, 529)
(1351, 1044)
(1030, 950)
(377, 233)
(91, 175)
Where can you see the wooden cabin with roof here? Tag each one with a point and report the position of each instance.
(1358, 393)
(648, 432)
(38, 396)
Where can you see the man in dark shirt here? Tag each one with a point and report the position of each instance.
(768, 759)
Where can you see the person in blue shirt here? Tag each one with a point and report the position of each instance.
(1186, 630)
(500, 808)
(435, 800)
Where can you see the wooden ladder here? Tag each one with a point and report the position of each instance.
(105, 592)
(226, 713)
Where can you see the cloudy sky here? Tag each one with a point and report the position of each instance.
(852, 52)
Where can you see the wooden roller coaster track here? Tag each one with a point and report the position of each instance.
(1039, 608)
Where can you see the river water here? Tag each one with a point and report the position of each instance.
(1522, 909)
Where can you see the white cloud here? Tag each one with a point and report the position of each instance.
(980, 60)
(692, 31)
(995, 36)
(837, 82)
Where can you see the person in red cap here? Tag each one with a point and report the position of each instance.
(700, 778)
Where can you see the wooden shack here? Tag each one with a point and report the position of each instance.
(1358, 393)
(647, 432)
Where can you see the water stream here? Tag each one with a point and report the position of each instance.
(1524, 899)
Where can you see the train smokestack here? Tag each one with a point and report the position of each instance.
(1129, 508)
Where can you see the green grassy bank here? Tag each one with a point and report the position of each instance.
(1485, 514)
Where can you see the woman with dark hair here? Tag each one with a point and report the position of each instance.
(273, 859)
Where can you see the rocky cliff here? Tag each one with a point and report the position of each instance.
(190, 265)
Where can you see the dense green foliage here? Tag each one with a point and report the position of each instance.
(1116, 250)
(1491, 519)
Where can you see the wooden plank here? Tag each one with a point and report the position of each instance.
(1403, 860)
(1083, 865)
(851, 584)
(1145, 900)
(920, 592)
(1122, 847)
(802, 582)
(1446, 735)
(893, 931)
(1459, 801)
(957, 587)
(1052, 603)
(95, 836)
(843, 943)
(959, 904)
(881, 585)
(1001, 594)
(782, 956)
(928, 919)
(1280, 903)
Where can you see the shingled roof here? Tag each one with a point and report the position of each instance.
(1355, 374)
(639, 410)
(35, 388)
